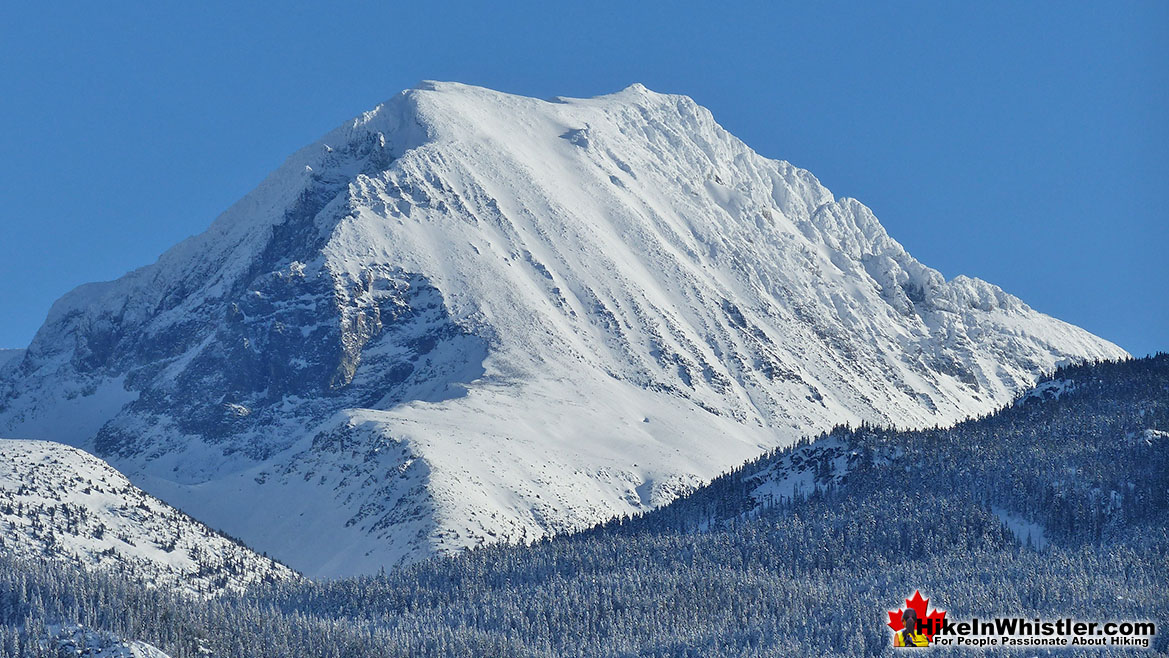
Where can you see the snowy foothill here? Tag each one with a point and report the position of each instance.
(81, 641)
(59, 503)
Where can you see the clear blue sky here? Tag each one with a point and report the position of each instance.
(1026, 143)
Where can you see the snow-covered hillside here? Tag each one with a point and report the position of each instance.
(467, 316)
(61, 503)
(81, 641)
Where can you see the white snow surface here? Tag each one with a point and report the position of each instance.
(1027, 532)
(599, 303)
(1053, 389)
(1152, 435)
(803, 472)
(82, 641)
(61, 503)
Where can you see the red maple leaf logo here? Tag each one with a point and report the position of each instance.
(920, 606)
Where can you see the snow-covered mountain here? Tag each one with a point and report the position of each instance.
(60, 503)
(468, 316)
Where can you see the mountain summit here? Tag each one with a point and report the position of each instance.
(467, 316)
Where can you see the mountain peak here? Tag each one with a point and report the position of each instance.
(467, 316)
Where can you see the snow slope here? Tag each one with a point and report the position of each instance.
(81, 641)
(467, 316)
(61, 503)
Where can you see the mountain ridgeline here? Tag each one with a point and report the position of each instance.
(467, 317)
(1053, 506)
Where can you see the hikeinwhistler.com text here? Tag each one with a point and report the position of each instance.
(1001, 632)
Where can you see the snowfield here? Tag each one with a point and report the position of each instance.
(467, 317)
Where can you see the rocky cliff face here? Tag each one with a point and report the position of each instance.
(467, 316)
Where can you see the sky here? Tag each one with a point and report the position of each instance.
(1023, 143)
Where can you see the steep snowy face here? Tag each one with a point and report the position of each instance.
(467, 316)
(60, 503)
